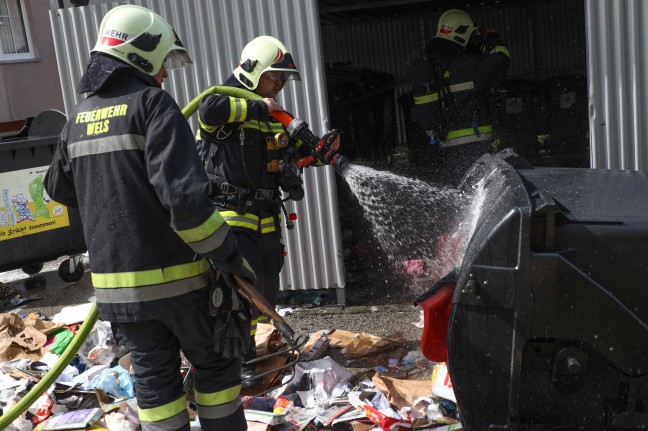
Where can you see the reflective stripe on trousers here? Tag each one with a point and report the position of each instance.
(218, 405)
(170, 416)
(174, 415)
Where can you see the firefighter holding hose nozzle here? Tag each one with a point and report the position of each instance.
(251, 158)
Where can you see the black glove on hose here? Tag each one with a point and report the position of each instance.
(244, 271)
(232, 322)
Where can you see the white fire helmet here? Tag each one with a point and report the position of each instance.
(140, 38)
(265, 54)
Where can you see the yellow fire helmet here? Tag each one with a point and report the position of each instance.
(141, 38)
(265, 54)
(456, 26)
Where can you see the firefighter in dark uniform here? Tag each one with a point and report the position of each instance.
(454, 90)
(127, 159)
(251, 161)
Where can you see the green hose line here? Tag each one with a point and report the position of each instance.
(66, 357)
(8, 417)
(191, 107)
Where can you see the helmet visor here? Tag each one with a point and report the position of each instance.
(282, 75)
(176, 59)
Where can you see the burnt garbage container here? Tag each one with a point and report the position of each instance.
(548, 322)
(33, 228)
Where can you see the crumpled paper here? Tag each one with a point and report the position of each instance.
(366, 344)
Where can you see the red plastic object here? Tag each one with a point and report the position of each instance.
(436, 314)
(292, 216)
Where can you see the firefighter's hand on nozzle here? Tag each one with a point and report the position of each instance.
(328, 146)
(272, 104)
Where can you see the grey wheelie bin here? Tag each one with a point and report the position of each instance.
(548, 323)
(33, 228)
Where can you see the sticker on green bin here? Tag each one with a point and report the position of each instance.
(25, 207)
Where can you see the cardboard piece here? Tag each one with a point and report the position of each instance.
(339, 338)
(402, 393)
(30, 339)
(267, 339)
(10, 326)
(366, 344)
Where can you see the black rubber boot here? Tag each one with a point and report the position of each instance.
(249, 375)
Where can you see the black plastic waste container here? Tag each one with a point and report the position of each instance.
(548, 328)
(33, 228)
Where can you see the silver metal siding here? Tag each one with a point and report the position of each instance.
(214, 34)
(618, 73)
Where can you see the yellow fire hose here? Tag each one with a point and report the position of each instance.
(88, 324)
(66, 357)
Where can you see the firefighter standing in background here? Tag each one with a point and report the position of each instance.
(127, 159)
(250, 161)
(454, 91)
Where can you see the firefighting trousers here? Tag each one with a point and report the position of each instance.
(155, 355)
(264, 254)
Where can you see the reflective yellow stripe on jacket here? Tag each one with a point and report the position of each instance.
(234, 219)
(274, 127)
(434, 96)
(426, 98)
(208, 236)
(249, 221)
(468, 135)
(124, 287)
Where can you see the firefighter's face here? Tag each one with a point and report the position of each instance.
(161, 75)
(269, 87)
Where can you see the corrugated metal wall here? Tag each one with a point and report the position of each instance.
(214, 34)
(618, 83)
(546, 39)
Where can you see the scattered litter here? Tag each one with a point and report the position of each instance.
(73, 314)
(399, 389)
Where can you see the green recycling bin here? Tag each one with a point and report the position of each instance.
(33, 228)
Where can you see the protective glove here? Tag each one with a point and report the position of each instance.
(232, 320)
(328, 146)
(244, 271)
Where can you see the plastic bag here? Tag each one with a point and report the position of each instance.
(115, 381)
(100, 348)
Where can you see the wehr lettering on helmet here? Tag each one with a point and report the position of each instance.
(446, 29)
(114, 37)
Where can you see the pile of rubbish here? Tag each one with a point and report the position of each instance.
(397, 389)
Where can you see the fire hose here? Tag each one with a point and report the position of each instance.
(298, 130)
(88, 324)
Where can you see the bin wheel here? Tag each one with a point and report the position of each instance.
(70, 277)
(32, 269)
